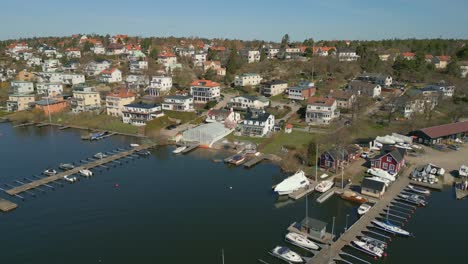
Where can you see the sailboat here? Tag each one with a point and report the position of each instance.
(292, 183)
(301, 241)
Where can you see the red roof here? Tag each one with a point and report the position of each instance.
(446, 130)
(121, 93)
(218, 48)
(408, 54)
(72, 49)
(204, 83)
(132, 47)
(289, 125)
(321, 101)
(109, 71)
(443, 58)
(166, 55)
(428, 56)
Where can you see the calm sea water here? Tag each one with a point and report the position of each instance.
(176, 209)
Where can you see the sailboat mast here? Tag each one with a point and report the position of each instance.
(342, 169)
(222, 254)
(316, 162)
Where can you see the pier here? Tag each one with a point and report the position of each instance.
(6, 206)
(190, 147)
(326, 195)
(460, 194)
(89, 165)
(436, 186)
(261, 158)
(298, 194)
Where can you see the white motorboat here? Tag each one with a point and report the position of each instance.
(100, 155)
(463, 171)
(301, 241)
(374, 242)
(292, 183)
(179, 149)
(134, 145)
(391, 228)
(49, 172)
(66, 166)
(413, 198)
(381, 173)
(86, 172)
(324, 186)
(286, 254)
(364, 208)
(369, 248)
(70, 178)
(323, 176)
(418, 190)
(402, 145)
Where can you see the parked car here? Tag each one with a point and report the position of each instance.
(454, 147)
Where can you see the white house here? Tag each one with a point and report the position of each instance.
(19, 102)
(252, 56)
(446, 89)
(365, 88)
(274, 87)
(50, 65)
(138, 114)
(74, 53)
(60, 77)
(115, 49)
(216, 66)
(199, 59)
(96, 67)
(376, 78)
(112, 75)
(167, 59)
(257, 124)
(98, 49)
(34, 61)
(204, 91)
(223, 116)
(271, 51)
(301, 92)
(138, 66)
(347, 55)
(49, 89)
(245, 102)
(159, 85)
(181, 103)
(21, 87)
(464, 68)
(247, 79)
(135, 81)
(321, 110)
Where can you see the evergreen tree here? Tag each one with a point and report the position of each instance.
(285, 41)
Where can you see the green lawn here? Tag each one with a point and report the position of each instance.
(297, 140)
(256, 140)
(184, 117)
(152, 127)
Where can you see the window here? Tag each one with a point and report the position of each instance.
(384, 166)
(389, 159)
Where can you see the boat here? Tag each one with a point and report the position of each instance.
(301, 241)
(323, 176)
(286, 254)
(97, 136)
(86, 173)
(66, 166)
(49, 172)
(463, 171)
(237, 159)
(391, 228)
(418, 190)
(353, 197)
(143, 152)
(70, 178)
(134, 145)
(100, 155)
(179, 149)
(374, 242)
(369, 248)
(381, 173)
(324, 186)
(364, 208)
(414, 199)
(292, 183)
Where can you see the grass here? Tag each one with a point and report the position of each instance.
(3, 113)
(184, 117)
(154, 126)
(296, 140)
(257, 140)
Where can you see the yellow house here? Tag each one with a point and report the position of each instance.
(85, 99)
(115, 101)
(19, 102)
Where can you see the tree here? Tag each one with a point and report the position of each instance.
(233, 62)
(463, 53)
(212, 55)
(309, 52)
(285, 41)
(154, 53)
(312, 153)
(210, 74)
(453, 68)
(86, 46)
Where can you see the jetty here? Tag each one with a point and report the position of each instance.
(460, 194)
(6, 206)
(190, 147)
(24, 124)
(298, 194)
(436, 186)
(326, 195)
(261, 158)
(92, 164)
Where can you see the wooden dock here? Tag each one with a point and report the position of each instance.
(303, 191)
(24, 124)
(436, 186)
(42, 124)
(190, 147)
(326, 195)
(460, 194)
(261, 158)
(96, 163)
(325, 240)
(6, 206)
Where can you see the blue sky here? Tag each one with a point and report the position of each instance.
(242, 19)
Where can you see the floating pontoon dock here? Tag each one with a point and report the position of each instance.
(6, 206)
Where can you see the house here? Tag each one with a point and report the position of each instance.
(288, 128)
(333, 159)
(441, 62)
(247, 79)
(96, 67)
(34, 61)
(274, 87)
(321, 111)
(376, 78)
(115, 49)
(71, 66)
(49, 89)
(442, 87)
(135, 81)
(98, 49)
(438, 134)
(167, 58)
(116, 100)
(19, 102)
(419, 105)
(132, 49)
(119, 38)
(199, 59)
(180, 103)
(344, 99)
(204, 91)
(408, 55)
(50, 106)
(365, 88)
(112, 75)
(223, 116)
(323, 51)
(384, 57)
(245, 102)
(16, 47)
(216, 66)
(373, 188)
(50, 65)
(392, 161)
(463, 68)
(301, 92)
(290, 53)
(73, 53)
(21, 87)
(159, 85)
(347, 54)
(85, 98)
(250, 55)
(257, 124)
(313, 228)
(138, 66)
(138, 114)
(271, 51)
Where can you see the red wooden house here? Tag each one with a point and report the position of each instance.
(333, 158)
(390, 161)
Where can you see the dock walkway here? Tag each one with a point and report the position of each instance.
(460, 194)
(44, 181)
(260, 158)
(6, 205)
(190, 147)
(326, 195)
(303, 191)
(436, 186)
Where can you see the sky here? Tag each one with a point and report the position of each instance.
(238, 19)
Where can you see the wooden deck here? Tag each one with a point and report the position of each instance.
(327, 195)
(436, 186)
(303, 191)
(190, 147)
(261, 158)
(100, 162)
(6, 206)
(460, 194)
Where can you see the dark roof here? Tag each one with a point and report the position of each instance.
(313, 224)
(357, 84)
(273, 82)
(372, 184)
(337, 154)
(142, 105)
(396, 154)
(178, 97)
(47, 102)
(445, 130)
(262, 117)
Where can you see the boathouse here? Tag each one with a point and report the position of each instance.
(439, 134)
(314, 228)
(372, 188)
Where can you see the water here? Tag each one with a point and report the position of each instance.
(174, 209)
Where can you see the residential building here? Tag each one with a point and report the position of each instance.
(373, 188)
(464, 68)
(96, 67)
(301, 92)
(257, 124)
(365, 88)
(344, 99)
(112, 75)
(98, 49)
(51, 106)
(442, 133)
(181, 103)
(19, 102)
(441, 62)
(323, 51)
(384, 57)
(247, 79)
(116, 100)
(419, 105)
(138, 114)
(49, 89)
(347, 55)
(250, 55)
(321, 111)
(245, 102)
(115, 49)
(271, 51)
(138, 66)
(204, 91)
(50, 65)
(199, 59)
(85, 98)
(73, 53)
(408, 55)
(273, 87)
(392, 161)
(443, 87)
(16, 47)
(290, 53)
(216, 66)
(225, 116)
(71, 66)
(376, 78)
(21, 87)
(136, 81)
(159, 85)
(333, 159)
(167, 58)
